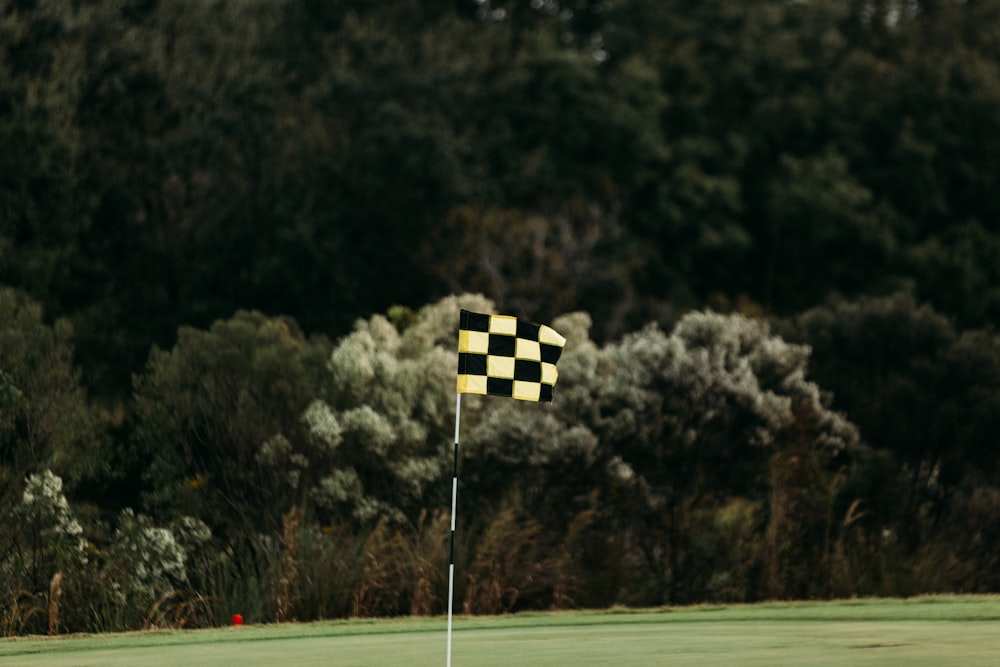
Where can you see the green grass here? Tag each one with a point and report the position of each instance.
(928, 631)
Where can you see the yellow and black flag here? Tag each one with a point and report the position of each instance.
(503, 356)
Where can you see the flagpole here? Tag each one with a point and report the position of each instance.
(454, 495)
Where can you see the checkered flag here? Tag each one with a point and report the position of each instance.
(503, 356)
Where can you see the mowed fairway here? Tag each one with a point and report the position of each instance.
(922, 631)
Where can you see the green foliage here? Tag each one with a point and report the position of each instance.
(962, 274)
(876, 355)
(43, 211)
(45, 421)
(540, 262)
(936, 463)
(176, 162)
(218, 433)
(817, 210)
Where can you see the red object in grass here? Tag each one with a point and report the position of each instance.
(237, 619)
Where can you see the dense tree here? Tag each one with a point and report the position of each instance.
(182, 160)
(712, 411)
(43, 208)
(45, 419)
(878, 354)
(217, 414)
(938, 453)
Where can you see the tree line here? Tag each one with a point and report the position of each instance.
(772, 227)
(168, 163)
(283, 476)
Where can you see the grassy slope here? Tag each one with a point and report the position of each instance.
(922, 631)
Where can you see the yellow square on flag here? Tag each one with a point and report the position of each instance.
(549, 373)
(503, 324)
(500, 367)
(529, 350)
(526, 391)
(473, 341)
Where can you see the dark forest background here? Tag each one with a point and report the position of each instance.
(235, 236)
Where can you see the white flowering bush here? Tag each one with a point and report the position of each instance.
(44, 504)
(45, 535)
(41, 541)
(149, 557)
(191, 533)
(140, 576)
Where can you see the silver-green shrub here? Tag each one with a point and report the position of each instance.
(689, 420)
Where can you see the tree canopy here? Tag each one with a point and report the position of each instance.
(174, 162)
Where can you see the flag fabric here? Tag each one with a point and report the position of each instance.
(500, 355)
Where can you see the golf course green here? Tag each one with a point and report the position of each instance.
(931, 631)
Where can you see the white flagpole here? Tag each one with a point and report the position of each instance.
(454, 495)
